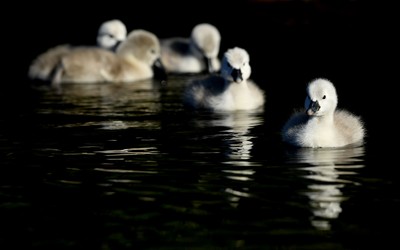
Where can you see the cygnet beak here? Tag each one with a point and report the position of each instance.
(313, 108)
(237, 75)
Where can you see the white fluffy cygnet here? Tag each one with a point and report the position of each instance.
(231, 90)
(133, 60)
(110, 34)
(196, 54)
(322, 124)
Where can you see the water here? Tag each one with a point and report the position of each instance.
(108, 166)
(127, 167)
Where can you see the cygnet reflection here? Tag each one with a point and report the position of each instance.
(110, 105)
(237, 145)
(236, 137)
(328, 170)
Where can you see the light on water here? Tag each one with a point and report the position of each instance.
(152, 170)
(135, 163)
(329, 168)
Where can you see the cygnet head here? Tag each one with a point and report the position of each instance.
(111, 33)
(142, 44)
(235, 65)
(321, 98)
(207, 39)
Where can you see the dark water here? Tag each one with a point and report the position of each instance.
(126, 167)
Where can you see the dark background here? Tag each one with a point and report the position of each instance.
(324, 36)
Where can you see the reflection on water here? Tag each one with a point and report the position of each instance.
(236, 128)
(237, 142)
(104, 99)
(329, 171)
(127, 162)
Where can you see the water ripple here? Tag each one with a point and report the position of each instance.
(330, 170)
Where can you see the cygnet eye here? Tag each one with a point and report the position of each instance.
(152, 51)
(324, 97)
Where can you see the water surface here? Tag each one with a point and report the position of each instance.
(108, 166)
